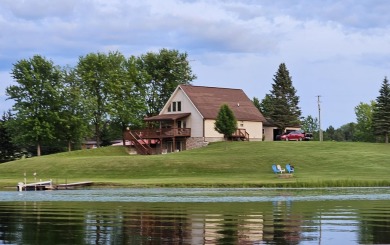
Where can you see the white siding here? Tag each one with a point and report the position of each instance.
(210, 134)
(194, 121)
(254, 129)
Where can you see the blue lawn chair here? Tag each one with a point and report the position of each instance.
(275, 169)
(290, 169)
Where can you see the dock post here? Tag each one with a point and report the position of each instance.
(20, 186)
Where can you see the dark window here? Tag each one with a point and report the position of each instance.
(174, 106)
(169, 108)
(179, 106)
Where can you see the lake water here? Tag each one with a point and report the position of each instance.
(196, 216)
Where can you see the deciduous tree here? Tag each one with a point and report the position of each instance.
(310, 124)
(73, 125)
(364, 130)
(37, 100)
(165, 71)
(94, 71)
(127, 91)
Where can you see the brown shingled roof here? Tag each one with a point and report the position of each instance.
(208, 100)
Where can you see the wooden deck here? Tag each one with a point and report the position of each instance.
(162, 133)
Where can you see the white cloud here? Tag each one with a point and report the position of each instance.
(338, 49)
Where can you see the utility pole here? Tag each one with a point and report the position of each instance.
(319, 117)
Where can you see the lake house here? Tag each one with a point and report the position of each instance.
(187, 120)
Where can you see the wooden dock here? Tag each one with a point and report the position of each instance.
(73, 185)
(37, 186)
(48, 185)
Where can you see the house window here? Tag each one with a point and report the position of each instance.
(169, 108)
(176, 106)
(179, 106)
(181, 124)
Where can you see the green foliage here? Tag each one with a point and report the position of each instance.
(37, 100)
(127, 105)
(310, 124)
(346, 132)
(364, 131)
(163, 72)
(266, 105)
(256, 102)
(94, 72)
(7, 148)
(73, 125)
(282, 103)
(381, 112)
(226, 122)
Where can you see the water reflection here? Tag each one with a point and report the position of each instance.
(273, 221)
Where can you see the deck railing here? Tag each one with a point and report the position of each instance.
(162, 133)
(241, 133)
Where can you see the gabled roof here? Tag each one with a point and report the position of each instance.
(208, 101)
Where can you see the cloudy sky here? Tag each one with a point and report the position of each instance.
(339, 50)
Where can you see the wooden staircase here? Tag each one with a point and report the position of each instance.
(139, 143)
(241, 134)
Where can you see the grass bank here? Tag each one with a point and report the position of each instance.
(223, 164)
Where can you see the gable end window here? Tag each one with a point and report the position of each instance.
(179, 106)
(175, 106)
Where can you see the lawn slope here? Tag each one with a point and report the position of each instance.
(223, 164)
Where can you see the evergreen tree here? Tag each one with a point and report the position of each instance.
(256, 102)
(381, 113)
(7, 148)
(283, 101)
(226, 122)
(266, 105)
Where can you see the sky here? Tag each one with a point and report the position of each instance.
(338, 50)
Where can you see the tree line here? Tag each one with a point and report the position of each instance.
(107, 92)
(282, 106)
(98, 98)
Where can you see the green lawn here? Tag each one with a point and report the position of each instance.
(230, 164)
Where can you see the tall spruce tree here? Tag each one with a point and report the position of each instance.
(381, 113)
(283, 101)
(226, 122)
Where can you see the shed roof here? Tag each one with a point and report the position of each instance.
(208, 101)
(167, 117)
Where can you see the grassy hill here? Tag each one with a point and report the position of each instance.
(223, 164)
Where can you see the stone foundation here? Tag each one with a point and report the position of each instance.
(193, 143)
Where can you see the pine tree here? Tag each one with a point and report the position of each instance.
(226, 122)
(283, 101)
(381, 113)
